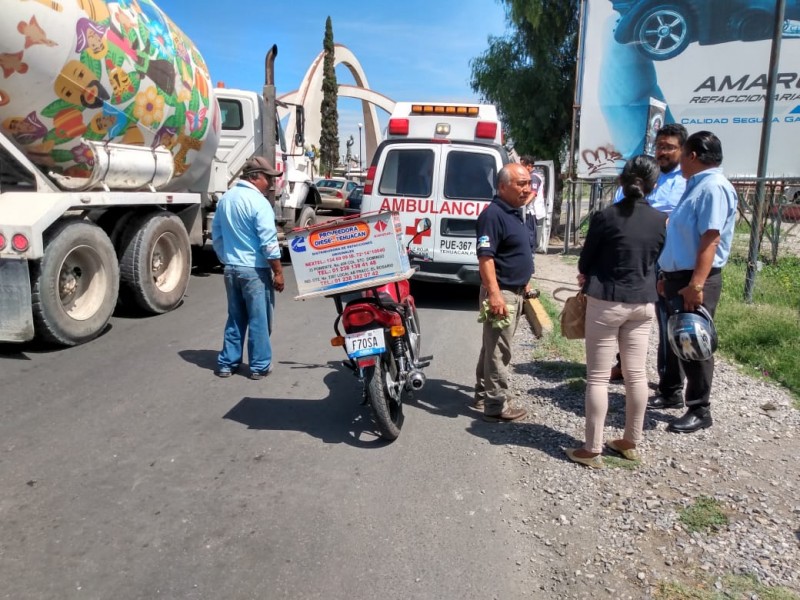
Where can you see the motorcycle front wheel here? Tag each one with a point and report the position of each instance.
(388, 411)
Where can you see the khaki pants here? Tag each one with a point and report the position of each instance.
(491, 374)
(609, 323)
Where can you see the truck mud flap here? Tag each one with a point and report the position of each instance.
(16, 314)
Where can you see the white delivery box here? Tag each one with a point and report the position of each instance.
(348, 254)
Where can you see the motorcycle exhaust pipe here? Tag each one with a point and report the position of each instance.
(416, 379)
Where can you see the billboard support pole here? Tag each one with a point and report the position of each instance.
(576, 107)
(763, 153)
(576, 100)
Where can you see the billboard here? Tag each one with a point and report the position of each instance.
(701, 63)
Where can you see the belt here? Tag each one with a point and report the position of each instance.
(514, 289)
(674, 275)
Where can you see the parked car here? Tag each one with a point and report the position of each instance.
(790, 208)
(333, 192)
(662, 30)
(354, 199)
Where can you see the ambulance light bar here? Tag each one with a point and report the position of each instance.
(444, 109)
(486, 129)
(398, 126)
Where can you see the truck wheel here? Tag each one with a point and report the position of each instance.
(75, 285)
(308, 217)
(155, 262)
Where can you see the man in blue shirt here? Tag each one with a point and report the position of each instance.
(671, 184)
(506, 241)
(699, 236)
(245, 240)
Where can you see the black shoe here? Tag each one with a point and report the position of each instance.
(693, 420)
(672, 401)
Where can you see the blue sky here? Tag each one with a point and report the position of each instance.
(409, 50)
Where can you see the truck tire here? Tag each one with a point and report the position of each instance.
(155, 262)
(308, 217)
(75, 284)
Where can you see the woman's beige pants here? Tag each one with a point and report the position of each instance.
(609, 324)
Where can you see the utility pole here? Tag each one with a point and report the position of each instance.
(360, 169)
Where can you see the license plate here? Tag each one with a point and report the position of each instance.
(365, 343)
(450, 246)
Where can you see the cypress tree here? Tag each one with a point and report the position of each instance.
(329, 134)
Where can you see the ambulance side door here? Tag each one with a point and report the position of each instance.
(546, 170)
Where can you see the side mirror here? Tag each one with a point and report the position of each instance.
(423, 225)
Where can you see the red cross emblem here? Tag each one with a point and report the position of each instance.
(412, 230)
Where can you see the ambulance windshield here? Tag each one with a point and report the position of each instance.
(408, 172)
(470, 176)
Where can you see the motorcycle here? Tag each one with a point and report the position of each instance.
(382, 342)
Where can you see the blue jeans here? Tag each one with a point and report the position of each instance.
(251, 301)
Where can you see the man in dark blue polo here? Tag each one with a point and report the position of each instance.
(506, 241)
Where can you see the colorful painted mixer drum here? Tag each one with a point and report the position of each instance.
(76, 70)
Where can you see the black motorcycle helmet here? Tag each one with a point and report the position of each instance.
(692, 336)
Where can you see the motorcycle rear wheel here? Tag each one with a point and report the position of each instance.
(388, 411)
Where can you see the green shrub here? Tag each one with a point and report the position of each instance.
(763, 336)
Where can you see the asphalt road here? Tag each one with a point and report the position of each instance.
(127, 470)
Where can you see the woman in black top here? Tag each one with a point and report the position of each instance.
(617, 274)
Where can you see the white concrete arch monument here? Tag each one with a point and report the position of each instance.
(309, 94)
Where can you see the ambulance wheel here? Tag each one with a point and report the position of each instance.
(75, 284)
(308, 217)
(155, 262)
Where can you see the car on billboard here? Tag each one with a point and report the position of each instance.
(662, 29)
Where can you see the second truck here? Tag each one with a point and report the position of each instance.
(114, 148)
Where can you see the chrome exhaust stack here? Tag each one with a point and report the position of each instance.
(416, 379)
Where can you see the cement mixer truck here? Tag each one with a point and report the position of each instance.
(114, 148)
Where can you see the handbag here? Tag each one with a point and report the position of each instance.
(573, 317)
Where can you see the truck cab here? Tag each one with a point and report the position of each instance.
(241, 135)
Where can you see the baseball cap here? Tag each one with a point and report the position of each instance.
(259, 164)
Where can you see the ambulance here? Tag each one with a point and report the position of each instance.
(441, 161)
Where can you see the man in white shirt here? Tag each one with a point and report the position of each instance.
(538, 207)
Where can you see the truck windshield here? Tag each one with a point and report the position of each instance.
(470, 176)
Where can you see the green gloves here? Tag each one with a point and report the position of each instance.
(497, 322)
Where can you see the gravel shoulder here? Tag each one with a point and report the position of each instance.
(617, 533)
